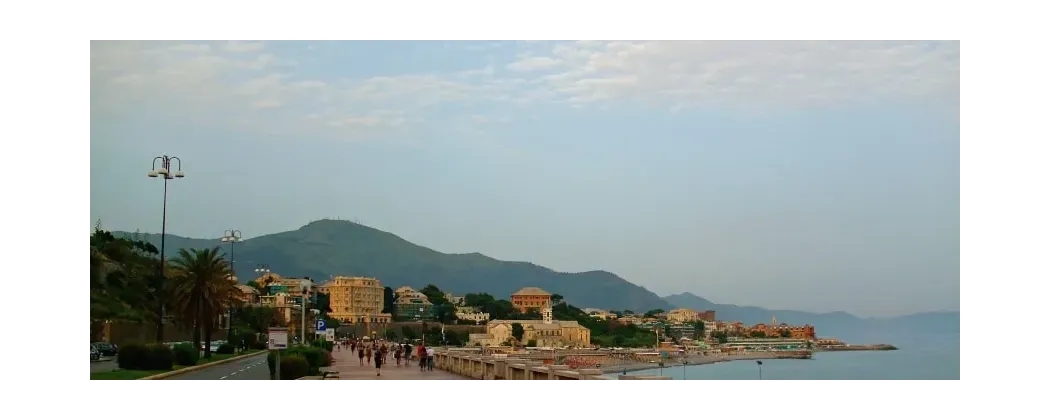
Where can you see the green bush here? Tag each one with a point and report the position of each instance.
(250, 340)
(160, 357)
(185, 354)
(225, 348)
(133, 356)
(294, 367)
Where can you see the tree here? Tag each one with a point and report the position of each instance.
(653, 313)
(435, 295)
(785, 333)
(517, 331)
(556, 299)
(388, 300)
(758, 334)
(124, 281)
(202, 289)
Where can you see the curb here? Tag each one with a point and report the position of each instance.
(166, 375)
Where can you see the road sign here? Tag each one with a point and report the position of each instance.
(330, 335)
(320, 326)
(278, 338)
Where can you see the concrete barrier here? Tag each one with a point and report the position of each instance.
(472, 365)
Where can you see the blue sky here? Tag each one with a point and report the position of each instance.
(799, 175)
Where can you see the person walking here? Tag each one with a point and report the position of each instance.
(422, 353)
(368, 354)
(361, 355)
(406, 350)
(379, 359)
(430, 358)
(397, 354)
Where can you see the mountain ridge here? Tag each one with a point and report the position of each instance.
(839, 324)
(327, 247)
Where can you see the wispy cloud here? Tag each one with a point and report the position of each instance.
(243, 77)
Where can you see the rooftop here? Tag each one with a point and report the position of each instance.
(531, 291)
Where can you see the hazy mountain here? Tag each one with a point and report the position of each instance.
(839, 324)
(330, 247)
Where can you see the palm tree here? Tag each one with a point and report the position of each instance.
(202, 289)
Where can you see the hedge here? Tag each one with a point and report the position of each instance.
(136, 356)
(185, 354)
(294, 367)
(225, 348)
(315, 359)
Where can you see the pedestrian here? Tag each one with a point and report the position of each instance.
(361, 355)
(397, 354)
(430, 358)
(368, 354)
(379, 359)
(422, 357)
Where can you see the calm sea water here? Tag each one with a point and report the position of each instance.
(917, 359)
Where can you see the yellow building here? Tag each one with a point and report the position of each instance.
(682, 315)
(356, 300)
(546, 333)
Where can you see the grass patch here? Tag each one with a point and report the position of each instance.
(121, 374)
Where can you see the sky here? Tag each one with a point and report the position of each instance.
(816, 176)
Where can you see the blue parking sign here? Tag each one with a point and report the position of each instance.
(320, 325)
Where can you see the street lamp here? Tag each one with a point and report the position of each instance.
(759, 369)
(306, 297)
(164, 171)
(232, 236)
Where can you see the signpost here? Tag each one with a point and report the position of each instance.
(320, 327)
(330, 335)
(278, 340)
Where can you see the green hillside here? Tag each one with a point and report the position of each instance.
(329, 247)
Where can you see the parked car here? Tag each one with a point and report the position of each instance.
(106, 349)
(95, 354)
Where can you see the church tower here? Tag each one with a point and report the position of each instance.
(548, 315)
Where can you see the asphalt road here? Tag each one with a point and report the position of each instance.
(105, 365)
(249, 368)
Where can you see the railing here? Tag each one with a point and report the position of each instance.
(471, 365)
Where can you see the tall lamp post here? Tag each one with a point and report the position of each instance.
(759, 369)
(231, 236)
(164, 171)
(306, 299)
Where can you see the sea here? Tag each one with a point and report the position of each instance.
(917, 358)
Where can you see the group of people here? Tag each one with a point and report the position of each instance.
(380, 350)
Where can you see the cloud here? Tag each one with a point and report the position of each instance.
(239, 47)
(236, 79)
(532, 64)
(745, 74)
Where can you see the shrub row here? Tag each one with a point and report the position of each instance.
(137, 356)
(185, 354)
(225, 348)
(315, 358)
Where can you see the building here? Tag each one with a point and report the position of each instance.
(630, 319)
(356, 300)
(705, 316)
(546, 333)
(682, 315)
(601, 314)
(285, 295)
(773, 330)
(683, 330)
(471, 314)
(455, 300)
(248, 295)
(530, 298)
(411, 304)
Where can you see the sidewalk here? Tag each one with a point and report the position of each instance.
(349, 367)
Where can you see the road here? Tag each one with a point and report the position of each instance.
(249, 368)
(106, 364)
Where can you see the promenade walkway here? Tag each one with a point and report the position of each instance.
(349, 367)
